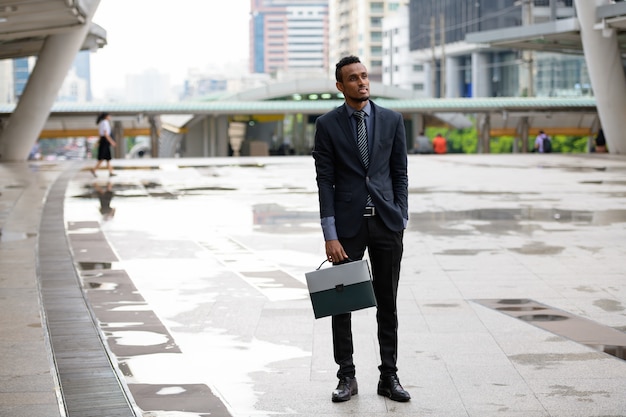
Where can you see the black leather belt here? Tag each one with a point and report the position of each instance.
(369, 211)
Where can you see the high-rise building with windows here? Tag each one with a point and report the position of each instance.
(21, 72)
(76, 86)
(82, 65)
(288, 35)
(399, 70)
(356, 28)
(455, 68)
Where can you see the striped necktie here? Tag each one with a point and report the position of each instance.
(361, 141)
(361, 137)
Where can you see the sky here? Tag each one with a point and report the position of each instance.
(169, 36)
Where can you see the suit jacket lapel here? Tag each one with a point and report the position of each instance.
(376, 134)
(344, 122)
(348, 131)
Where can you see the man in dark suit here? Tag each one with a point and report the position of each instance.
(363, 195)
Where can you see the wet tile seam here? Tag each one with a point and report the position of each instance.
(578, 329)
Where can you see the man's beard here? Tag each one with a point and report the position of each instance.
(361, 98)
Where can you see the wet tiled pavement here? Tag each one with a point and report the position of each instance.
(512, 298)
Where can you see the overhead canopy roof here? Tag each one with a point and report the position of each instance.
(573, 115)
(25, 24)
(562, 35)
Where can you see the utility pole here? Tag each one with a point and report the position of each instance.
(433, 62)
(442, 29)
(391, 55)
(527, 55)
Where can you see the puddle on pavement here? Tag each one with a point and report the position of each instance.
(104, 286)
(138, 338)
(94, 266)
(503, 221)
(602, 182)
(15, 236)
(587, 332)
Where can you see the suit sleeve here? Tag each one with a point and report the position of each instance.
(323, 154)
(399, 169)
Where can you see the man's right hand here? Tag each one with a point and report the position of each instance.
(335, 252)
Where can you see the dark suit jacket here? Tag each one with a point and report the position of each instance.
(342, 180)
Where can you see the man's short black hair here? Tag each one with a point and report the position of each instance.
(342, 63)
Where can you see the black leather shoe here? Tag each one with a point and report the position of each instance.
(389, 386)
(346, 388)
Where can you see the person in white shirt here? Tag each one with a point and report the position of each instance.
(104, 144)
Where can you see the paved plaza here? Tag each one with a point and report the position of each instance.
(512, 299)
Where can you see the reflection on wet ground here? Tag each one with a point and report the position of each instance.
(131, 328)
(218, 252)
(562, 323)
(504, 221)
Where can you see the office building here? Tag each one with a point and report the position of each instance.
(288, 35)
(356, 28)
(7, 92)
(455, 68)
(399, 69)
(82, 67)
(148, 86)
(21, 72)
(76, 86)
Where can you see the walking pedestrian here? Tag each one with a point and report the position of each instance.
(104, 144)
(363, 197)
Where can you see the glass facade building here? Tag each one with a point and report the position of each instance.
(502, 73)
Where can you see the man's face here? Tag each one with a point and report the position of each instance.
(355, 84)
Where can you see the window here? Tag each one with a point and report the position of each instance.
(418, 87)
(377, 7)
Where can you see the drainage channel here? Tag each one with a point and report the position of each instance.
(581, 330)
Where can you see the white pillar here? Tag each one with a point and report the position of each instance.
(604, 62)
(236, 136)
(481, 82)
(32, 110)
(428, 81)
(453, 78)
(417, 121)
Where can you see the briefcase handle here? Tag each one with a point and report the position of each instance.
(343, 262)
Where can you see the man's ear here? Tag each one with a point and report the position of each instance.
(339, 86)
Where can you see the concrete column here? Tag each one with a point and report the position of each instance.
(485, 134)
(602, 55)
(236, 136)
(32, 111)
(120, 140)
(222, 135)
(428, 81)
(523, 130)
(481, 83)
(453, 78)
(417, 122)
(206, 137)
(154, 136)
(212, 136)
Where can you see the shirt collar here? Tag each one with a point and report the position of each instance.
(367, 109)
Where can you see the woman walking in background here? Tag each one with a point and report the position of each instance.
(105, 143)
